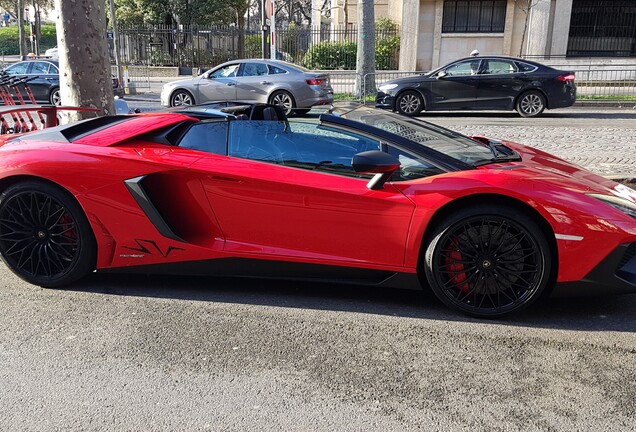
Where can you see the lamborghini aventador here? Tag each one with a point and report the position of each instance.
(359, 196)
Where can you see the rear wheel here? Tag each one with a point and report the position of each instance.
(409, 103)
(181, 98)
(283, 99)
(45, 237)
(55, 97)
(488, 261)
(530, 104)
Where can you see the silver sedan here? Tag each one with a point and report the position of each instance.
(268, 81)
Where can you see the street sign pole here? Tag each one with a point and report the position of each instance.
(265, 29)
(272, 38)
(113, 21)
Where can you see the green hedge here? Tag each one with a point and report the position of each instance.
(342, 55)
(10, 43)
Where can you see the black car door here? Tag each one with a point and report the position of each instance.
(47, 78)
(455, 87)
(498, 84)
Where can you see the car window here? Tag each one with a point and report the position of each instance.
(17, 69)
(525, 67)
(411, 167)
(468, 67)
(208, 137)
(299, 145)
(228, 71)
(274, 70)
(254, 69)
(499, 67)
(40, 68)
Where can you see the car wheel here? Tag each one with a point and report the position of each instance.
(488, 261)
(530, 104)
(409, 103)
(55, 98)
(283, 99)
(45, 237)
(181, 98)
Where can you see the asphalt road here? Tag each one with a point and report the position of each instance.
(122, 353)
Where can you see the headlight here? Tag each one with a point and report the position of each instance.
(621, 204)
(385, 87)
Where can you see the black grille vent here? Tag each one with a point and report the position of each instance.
(629, 254)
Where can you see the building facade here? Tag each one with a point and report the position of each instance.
(436, 32)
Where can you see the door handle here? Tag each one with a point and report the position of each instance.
(230, 84)
(265, 82)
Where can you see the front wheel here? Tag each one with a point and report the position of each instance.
(488, 261)
(530, 104)
(409, 103)
(181, 98)
(283, 99)
(45, 237)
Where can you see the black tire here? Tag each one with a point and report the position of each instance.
(409, 103)
(284, 99)
(181, 98)
(54, 97)
(45, 237)
(530, 104)
(488, 261)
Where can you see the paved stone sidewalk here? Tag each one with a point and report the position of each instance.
(603, 141)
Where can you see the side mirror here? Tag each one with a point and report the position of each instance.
(441, 75)
(383, 165)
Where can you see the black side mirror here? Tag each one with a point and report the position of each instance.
(383, 165)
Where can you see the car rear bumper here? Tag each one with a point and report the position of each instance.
(616, 274)
(316, 97)
(564, 99)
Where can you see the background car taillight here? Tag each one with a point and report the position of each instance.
(316, 81)
(566, 77)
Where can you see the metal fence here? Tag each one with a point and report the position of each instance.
(326, 47)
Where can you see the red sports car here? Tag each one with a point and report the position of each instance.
(361, 196)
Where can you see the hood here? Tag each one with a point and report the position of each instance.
(542, 167)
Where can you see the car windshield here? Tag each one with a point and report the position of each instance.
(445, 141)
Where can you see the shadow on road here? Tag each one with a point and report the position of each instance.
(574, 114)
(612, 313)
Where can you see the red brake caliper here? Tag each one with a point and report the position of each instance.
(452, 261)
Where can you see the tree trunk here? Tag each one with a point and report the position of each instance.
(85, 76)
(21, 32)
(365, 59)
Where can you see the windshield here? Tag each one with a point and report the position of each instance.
(445, 141)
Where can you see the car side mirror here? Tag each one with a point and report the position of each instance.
(382, 164)
(441, 75)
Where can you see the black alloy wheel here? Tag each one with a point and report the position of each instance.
(530, 104)
(409, 103)
(488, 262)
(45, 237)
(283, 99)
(181, 98)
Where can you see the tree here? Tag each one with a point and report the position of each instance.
(85, 78)
(524, 6)
(365, 59)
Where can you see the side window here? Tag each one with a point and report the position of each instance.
(468, 67)
(525, 67)
(301, 145)
(254, 69)
(275, 70)
(17, 69)
(499, 67)
(228, 71)
(411, 167)
(40, 68)
(207, 137)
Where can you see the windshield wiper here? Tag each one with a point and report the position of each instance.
(500, 152)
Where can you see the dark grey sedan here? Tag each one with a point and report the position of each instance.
(46, 85)
(481, 83)
(266, 81)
